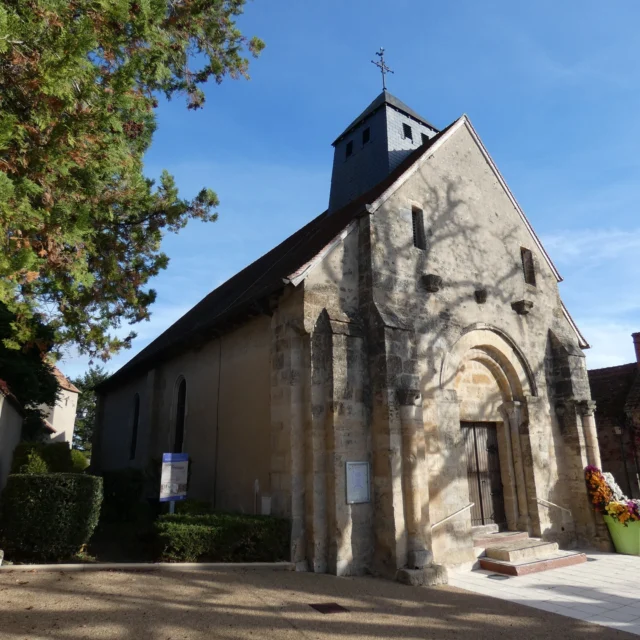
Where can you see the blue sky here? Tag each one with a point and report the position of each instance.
(553, 89)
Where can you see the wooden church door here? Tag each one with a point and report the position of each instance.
(483, 472)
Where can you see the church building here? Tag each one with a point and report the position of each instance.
(396, 376)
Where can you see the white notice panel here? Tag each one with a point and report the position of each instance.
(358, 482)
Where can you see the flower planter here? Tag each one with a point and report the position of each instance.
(625, 539)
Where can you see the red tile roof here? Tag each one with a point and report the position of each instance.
(64, 382)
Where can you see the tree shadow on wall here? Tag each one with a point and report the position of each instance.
(459, 232)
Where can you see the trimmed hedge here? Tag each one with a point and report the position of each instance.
(193, 507)
(48, 516)
(222, 537)
(32, 457)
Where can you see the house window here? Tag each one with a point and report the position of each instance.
(349, 148)
(406, 132)
(528, 267)
(366, 135)
(134, 427)
(425, 138)
(419, 238)
(181, 409)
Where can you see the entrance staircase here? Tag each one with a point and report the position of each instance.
(514, 553)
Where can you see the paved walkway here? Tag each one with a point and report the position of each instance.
(252, 605)
(605, 590)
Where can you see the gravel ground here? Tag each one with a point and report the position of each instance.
(261, 604)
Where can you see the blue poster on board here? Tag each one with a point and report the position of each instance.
(173, 479)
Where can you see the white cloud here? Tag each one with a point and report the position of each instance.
(611, 343)
(601, 288)
(592, 247)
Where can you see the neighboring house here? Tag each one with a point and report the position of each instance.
(10, 429)
(404, 354)
(61, 417)
(616, 391)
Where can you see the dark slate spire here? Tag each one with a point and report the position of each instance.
(373, 145)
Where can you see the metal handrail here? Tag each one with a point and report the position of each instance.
(546, 503)
(453, 515)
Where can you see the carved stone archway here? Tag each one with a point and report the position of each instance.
(499, 387)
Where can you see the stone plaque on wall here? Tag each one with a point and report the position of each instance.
(358, 482)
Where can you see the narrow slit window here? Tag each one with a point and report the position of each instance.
(349, 149)
(366, 135)
(419, 237)
(181, 408)
(528, 266)
(424, 138)
(134, 427)
(406, 132)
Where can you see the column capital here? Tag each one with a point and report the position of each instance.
(586, 407)
(408, 397)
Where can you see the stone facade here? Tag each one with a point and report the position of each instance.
(378, 351)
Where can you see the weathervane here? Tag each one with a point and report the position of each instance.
(383, 67)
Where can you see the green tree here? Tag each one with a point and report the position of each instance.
(80, 224)
(27, 372)
(86, 411)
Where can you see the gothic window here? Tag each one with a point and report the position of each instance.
(134, 427)
(528, 267)
(366, 135)
(406, 132)
(181, 409)
(419, 237)
(349, 149)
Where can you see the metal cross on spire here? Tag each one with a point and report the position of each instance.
(383, 67)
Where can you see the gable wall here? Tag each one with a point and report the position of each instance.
(474, 235)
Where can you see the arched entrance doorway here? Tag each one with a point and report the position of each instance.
(491, 381)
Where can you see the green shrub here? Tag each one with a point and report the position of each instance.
(123, 491)
(193, 507)
(79, 461)
(48, 517)
(221, 537)
(34, 464)
(55, 455)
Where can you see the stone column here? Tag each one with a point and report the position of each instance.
(587, 410)
(512, 412)
(411, 429)
(319, 421)
(297, 407)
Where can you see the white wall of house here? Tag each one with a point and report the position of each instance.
(10, 427)
(62, 417)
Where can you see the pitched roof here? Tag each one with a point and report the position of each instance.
(384, 98)
(247, 292)
(610, 388)
(64, 382)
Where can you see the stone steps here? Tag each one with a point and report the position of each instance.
(495, 539)
(553, 561)
(522, 550)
